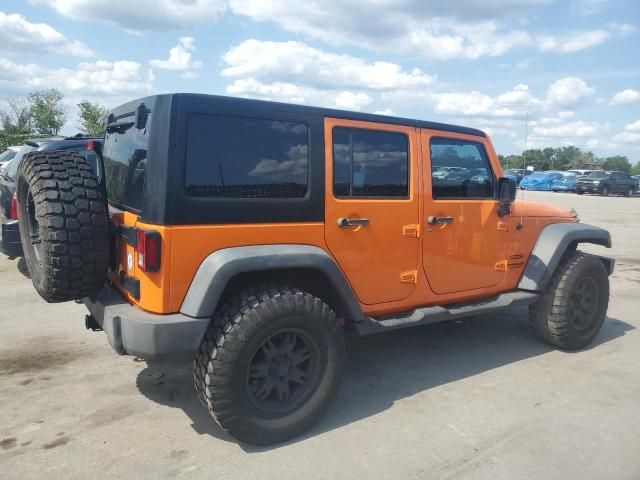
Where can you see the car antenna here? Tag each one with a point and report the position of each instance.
(520, 225)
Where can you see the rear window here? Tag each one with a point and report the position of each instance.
(237, 157)
(12, 168)
(8, 155)
(125, 162)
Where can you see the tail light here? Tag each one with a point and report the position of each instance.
(14, 206)
(148, 250)
(90, 146)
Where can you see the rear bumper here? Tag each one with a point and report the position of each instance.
(10, 243)
(133, 331)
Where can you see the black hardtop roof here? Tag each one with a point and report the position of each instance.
(250, 104)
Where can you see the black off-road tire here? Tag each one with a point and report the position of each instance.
(63, 222)
(558, 315)
(579, 192)
(226, 361)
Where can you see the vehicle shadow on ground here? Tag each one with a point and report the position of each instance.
(387, 367)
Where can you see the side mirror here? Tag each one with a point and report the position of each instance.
(507, 190)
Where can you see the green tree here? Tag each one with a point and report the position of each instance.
(48, 113)
(617, 162)
(17, 117)
(93, 117)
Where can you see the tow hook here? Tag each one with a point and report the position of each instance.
(90, 323)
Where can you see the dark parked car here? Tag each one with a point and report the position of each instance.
(88, 147)
(604, 183)
(517, 174)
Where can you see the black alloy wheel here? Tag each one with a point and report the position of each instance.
(283, 372)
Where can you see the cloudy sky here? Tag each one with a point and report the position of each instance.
(573, 65)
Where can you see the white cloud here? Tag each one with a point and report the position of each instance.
(180, 58)
(568, 91)
(630, 134)
(577, 129)
(14, 73)
(573, 42)
(88, 78)
(625, 97)
(17, 34)
(288, 92)
(141, 15)
(300, 63)
(509, 104)
(435, 30)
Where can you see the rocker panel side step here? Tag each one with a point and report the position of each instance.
(434, 314)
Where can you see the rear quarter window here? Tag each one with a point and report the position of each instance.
(240, 157)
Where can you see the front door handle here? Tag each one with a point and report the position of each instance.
(353, 222)
(439, 220)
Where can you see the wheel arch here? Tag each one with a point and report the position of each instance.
(553, 242)
(307, 267)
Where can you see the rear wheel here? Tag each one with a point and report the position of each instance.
(63, 225)
(604, 191)
(630, 192)
(269, 364)
(574, 304)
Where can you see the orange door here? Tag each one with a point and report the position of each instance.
(372, 206)
(464, 246)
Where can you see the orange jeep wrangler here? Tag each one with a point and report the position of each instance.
(254, 235)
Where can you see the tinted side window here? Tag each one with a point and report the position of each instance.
(369, 163)
(624, 176)
(460, 169)
(246, 157)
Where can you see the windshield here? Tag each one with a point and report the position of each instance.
(599, 175)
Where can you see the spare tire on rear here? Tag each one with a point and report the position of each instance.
(64, 222)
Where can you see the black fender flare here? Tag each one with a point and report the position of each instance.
(552, 244)
(221, 266)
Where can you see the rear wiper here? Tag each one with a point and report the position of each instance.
(119, 127)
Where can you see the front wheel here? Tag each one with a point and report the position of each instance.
(630, 192)
(269, 364)
(604, 191)
(574, 304)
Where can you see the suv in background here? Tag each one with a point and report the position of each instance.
(253, 236)
(580, 173)
(88, 147)
(605, 183)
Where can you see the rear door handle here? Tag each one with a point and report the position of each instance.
(353, 222)
(439, 220)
